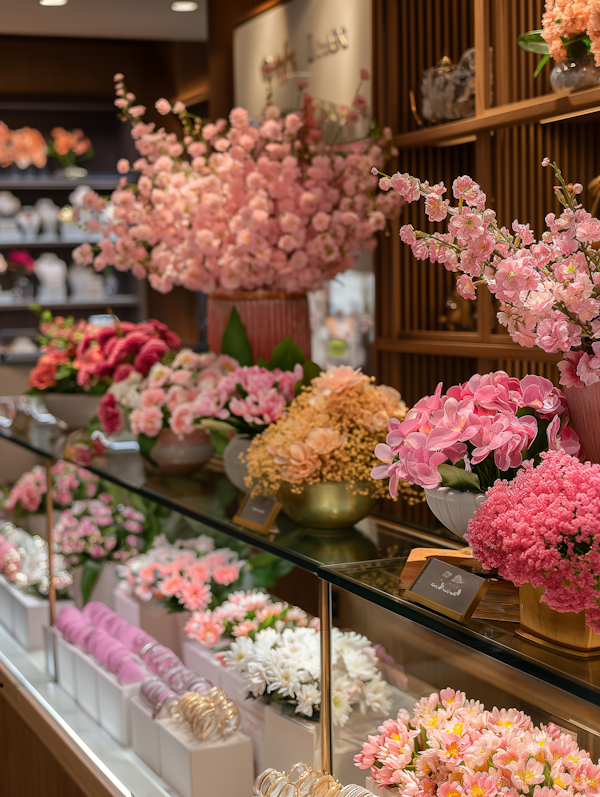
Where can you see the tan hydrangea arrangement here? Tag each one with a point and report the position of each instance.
(328, 434)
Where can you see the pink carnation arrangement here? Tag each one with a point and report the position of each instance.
(244, 614)
(70, 483)
(486, 426)
(181, 579)
(542, 529)
(548, 290)
(241, 206)
(564, 20)
(454, 747)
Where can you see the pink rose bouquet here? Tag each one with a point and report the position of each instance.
(453, 747)
(94, 531)
(542, 529)
(484, 427)
(243, 614)
(69, 482)
(241, 206)
(548, 290)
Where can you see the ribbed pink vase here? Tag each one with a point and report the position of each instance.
(584, 412)
(269, 317)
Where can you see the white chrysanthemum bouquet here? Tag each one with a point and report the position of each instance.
(286, 668)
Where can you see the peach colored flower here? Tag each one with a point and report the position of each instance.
(337, 379)
(324, 441)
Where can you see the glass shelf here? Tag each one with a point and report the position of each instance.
(366, 560)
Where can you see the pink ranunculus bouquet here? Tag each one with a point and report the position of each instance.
(454, 747)
(70, 483)
(238, 206)
(542, 529)
(548, 289)
(484, 427)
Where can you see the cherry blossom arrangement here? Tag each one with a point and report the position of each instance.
(83, 358)
(454, 747)
(95, 531)
(542, 529)
(244, 614)
(241, 206)
(484, 427)
(328, 433)
(69, 483)
(549, 290)
(286, 668)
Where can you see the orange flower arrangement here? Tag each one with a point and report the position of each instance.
(69, 146)
(24, 147)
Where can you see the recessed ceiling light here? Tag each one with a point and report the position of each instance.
(184, 5)
(53, 2)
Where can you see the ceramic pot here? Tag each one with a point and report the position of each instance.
(176, 457)
(584, 414)
(564, 631)
(76, 409)
(327, 505)
(269, 317)
(235, 469)
(454, 508)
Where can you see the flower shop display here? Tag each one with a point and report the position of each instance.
(540, 531)
(570, 35)
(318, 458)
(254, 214)
(456, 445)
(454, 746)
(286, 668)
(546, 289)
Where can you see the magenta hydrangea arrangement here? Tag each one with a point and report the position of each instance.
(468, 436)
(238, 206)
(70, 483)
(454, 747)
(548, 289)
(542, 529)
(244, 614)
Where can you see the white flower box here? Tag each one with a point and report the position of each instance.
(103, 589)
(24, 616)
(114, 704)
(374, 788)
(86, 680)
(253, 716)
(289, 739)
(166, 627)
(202, 660)
(144, 734)
(222, 767)
(65, 665)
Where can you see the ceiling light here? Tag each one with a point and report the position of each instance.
(184, 5)
(53, 2)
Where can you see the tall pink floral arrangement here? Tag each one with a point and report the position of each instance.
(542, 529)
(453, 747)
(548, 289)
(236, 205)
(484, 427)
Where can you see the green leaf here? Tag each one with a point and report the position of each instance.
(458, 478)
(286, 355)
(235, 341)
(311, 371)
(533, 42)
(543, 61)
(89, 577)
(146, 445)
(217, 425)
(219, 440)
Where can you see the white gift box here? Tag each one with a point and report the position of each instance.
(220, 768)
(66, 666)
(166, 627)
(144, 734)
(253, 716)
(374, 789)
(289, 739)
(202, 660)
(24, 615)
(103, 589)
(86, 680)
(114, 705)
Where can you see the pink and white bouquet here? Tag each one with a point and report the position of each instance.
(453, 747)
(244, 614)
(183, 578)
(484, 427)
(238, 206)
(548, 289)
(69, 483)
(542, 529)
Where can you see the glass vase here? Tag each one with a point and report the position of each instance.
(575, 74)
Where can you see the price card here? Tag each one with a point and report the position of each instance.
(257, 513)
(448, 590)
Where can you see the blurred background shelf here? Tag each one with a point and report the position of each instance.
(98, 182)
(54, 242)
(124, 300)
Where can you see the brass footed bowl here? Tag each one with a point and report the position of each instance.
(327, 505)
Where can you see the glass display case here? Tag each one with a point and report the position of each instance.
(356, 579)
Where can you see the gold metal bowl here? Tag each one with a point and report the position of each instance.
(327, 505)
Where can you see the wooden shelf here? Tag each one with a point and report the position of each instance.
(515, 113)
(50, 243)
(449, 348)
(122, 300)
(96, 181)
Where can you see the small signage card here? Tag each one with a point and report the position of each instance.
(257, 513)
(448, 590)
